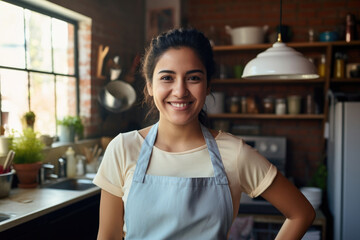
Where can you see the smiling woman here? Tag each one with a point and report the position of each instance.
(39, 61)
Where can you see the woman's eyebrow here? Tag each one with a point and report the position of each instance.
(195, 71)
(188, 72)
(166, 71)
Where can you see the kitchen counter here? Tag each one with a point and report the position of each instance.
(24, 205)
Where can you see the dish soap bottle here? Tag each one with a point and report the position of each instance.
(70, 162)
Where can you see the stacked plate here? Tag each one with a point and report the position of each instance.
(313, 195)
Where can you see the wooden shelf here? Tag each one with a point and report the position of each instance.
(262, 81)
(268, 116)
(294, 45)
(345, 80)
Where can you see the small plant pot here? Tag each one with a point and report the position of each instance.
(27, 174)
(67, 133)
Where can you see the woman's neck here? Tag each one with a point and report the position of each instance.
(179, 138)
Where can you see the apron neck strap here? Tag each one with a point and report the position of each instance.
(147, 147)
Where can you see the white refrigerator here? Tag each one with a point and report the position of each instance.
(343, 164)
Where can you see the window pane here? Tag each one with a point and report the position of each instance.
(12, 44)
(43, 102)
(66, 96)
(38, 40)
(14, 94)
(63, 46)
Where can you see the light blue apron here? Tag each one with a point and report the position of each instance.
(163, 207)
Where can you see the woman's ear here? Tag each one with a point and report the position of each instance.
(149, 88)
(208, 90)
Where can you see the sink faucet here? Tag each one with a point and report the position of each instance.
(61, 168)
(46, 173)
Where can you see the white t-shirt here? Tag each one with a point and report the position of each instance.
(247, 171)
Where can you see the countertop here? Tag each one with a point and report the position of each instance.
(26, 204)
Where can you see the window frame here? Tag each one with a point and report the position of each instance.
(56, 15)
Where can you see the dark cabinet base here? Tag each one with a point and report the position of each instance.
(77, 221)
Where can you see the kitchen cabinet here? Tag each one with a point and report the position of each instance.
(76, 221)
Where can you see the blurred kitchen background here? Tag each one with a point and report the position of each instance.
(80, 58)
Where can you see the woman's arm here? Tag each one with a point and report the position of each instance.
(293, 205)
(111, 217)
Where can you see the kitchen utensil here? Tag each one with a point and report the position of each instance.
(117, 96)
(5, 183)
(4, 145)
(247, 34)
(102, 52)
(8, 160)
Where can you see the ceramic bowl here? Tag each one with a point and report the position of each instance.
(328, 36)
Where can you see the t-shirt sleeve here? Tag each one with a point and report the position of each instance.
(256, 172)
(110, 175)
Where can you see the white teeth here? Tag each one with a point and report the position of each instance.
(179, 105)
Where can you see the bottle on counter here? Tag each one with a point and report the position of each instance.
(70, 162)
(80, 167)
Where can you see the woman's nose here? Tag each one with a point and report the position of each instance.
(180, 89)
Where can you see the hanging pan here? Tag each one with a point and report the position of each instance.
(117, 96)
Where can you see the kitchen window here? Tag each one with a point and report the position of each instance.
(38, 67)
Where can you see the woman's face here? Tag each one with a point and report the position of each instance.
(179, 86)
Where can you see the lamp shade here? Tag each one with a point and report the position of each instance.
(280, 62)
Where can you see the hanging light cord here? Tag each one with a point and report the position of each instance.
(280, 25)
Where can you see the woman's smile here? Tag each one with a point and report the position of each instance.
(180, 105)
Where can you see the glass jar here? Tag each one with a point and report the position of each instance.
(268, 105)
(234, 104)
(280, 106)
(243, 105)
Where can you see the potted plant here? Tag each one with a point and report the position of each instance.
(29, 118)
(28, 157)
(70, 126)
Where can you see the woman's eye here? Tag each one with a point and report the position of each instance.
(194, 78)
(166, 78)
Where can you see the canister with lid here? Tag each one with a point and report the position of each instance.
(280, 106)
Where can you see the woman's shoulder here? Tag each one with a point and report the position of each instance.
(126, 139)
(229, 137)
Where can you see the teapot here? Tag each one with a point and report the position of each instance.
(247, 34)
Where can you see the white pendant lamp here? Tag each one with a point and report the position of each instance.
(280, 62)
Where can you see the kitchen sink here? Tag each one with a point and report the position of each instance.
(4, 217)
(75, 184)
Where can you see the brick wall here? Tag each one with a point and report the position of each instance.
(117, 24)
(321, 15)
